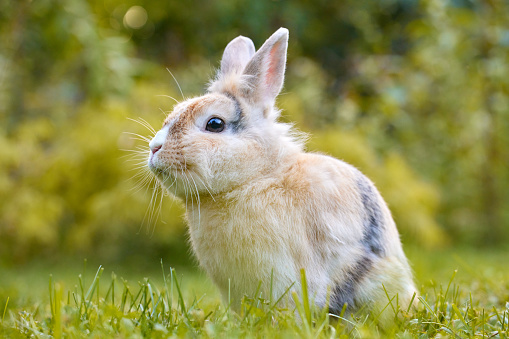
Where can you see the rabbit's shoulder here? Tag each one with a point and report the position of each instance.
(321, 174)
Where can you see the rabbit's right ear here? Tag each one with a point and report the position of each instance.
(236, 55)
(266, 70)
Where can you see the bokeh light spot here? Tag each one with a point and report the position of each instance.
(135, 17)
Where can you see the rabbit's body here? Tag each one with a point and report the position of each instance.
(242, 237)
(263, 209)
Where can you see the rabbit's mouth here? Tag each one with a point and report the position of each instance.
(173, 172)
(174, 169)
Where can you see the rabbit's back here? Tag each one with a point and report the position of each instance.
(355, 238)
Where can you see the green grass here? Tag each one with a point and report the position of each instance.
(464, 294)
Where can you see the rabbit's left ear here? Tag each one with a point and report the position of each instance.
(236, 55)
(266, 70)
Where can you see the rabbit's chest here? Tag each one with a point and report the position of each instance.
(242, 247)
(238, 244)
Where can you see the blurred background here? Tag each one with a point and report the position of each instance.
(413, 93)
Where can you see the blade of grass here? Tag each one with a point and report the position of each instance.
(51, 296)
(382, 311)
(171, 293)
(341, 317)
(501, 321)
(180, 296)
(411, 302)
(5, 309)
(305, 296)
(428, 307)
(151, 293)
(443, 328)
(251, 305)
(57, 320)
(460, 316)
(82, 290)
(301, 312)
(133, 301)
(166, 287)
(94, 282)
(275, 304)
(504, 321)
(390, 300)
(113, 280)
(450, 282)
(271, 286)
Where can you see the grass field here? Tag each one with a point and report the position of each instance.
(464, 294)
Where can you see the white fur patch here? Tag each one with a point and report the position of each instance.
(159, 138)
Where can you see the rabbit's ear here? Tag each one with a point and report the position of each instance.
(266, 70)
(236, 55)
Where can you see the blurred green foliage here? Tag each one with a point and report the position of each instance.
(414, 93)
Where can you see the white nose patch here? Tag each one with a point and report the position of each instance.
(157, 142)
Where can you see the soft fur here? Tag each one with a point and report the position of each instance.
(258, 205)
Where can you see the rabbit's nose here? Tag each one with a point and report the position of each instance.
(157, 142)
(155, 149)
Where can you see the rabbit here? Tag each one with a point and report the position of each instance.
(263, 208)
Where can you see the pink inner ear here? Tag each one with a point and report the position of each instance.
(272, 69)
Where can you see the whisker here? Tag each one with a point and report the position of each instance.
(174, 182)
(151, 227)
(163, 112)
(148, 208)
(197, 194)
(198, 200)
(185, 188)
(145, 124)
(190, 187)
(205, 185)
(140, 186)
(138, 159)
(143, 177)
(139, 139)
(167, 96)
(160, 205)
(164, 191)
(151, 210)
(136, 154)
(139, 167)
(139, 136)
(180, 89)
(189, 190)
(143, 182)
(140, 164)
(184, 183)
(148, 126)
(135, 150)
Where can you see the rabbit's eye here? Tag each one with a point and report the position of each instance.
(215, 125)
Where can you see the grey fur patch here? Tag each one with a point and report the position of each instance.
(373, 220)
(344, 293)
(238, 123)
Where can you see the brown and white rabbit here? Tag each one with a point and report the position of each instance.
(263, 206)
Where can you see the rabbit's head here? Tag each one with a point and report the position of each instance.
(228, 136)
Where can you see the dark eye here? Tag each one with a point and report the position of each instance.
(215, 125)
